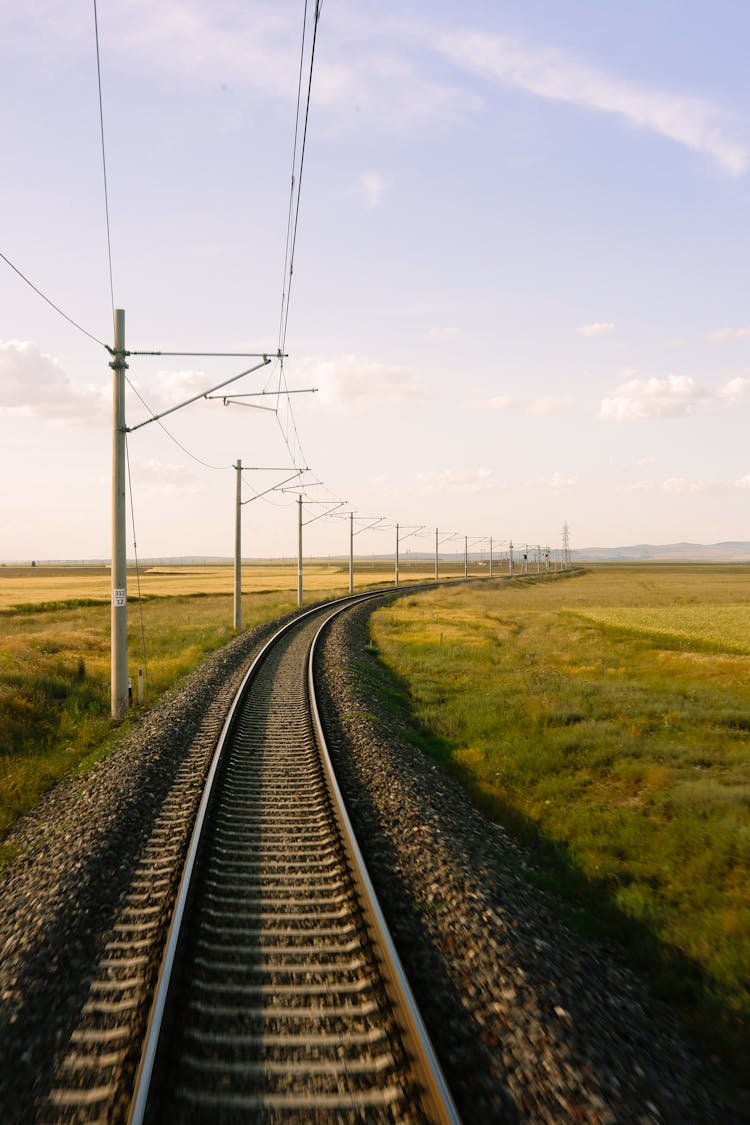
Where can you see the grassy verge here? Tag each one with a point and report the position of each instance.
(600, 719)
(54, 681)
(54, 652)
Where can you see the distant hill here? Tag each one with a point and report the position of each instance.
(670, 552)
(731, 551)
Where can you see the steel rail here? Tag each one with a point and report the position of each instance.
(428, 1074)
(148, 1055)
(437, 1097)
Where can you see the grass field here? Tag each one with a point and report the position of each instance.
(603, 717)
(606, 718)
(54, 650)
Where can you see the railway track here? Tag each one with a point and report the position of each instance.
(280, 993)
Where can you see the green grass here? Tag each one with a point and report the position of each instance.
(54, 651)
(605, 720)
(54, 680)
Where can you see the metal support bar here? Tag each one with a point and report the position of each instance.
(119, 609)
(299, 550)
(351, 552)
(396, 574)
(238, 547)
(203, 394)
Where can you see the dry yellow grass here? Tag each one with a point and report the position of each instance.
(725, 626)
(23, 586)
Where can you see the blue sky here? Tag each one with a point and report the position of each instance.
(520, 279)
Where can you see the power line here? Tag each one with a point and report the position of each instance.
(301, 164)
(104, 158)
(293, 225)
(22, 275)
(51, 303)
(292, 184)
(171, 437)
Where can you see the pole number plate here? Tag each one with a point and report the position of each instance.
(119, 597)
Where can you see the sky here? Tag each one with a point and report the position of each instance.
(520, 279)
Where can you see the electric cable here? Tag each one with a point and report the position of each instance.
(104, 158)
(171, 437)
(293, 180)
(293, 224)
(301, 168)
(137, 567)
(51, 303)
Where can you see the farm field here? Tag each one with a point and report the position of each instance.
(605, 718)
(54, 650)
(32, 586)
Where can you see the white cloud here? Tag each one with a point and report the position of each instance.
(349, 383)
(687, 486)
(373, 186)
(34, 385)
(548, 404)
(598, 328)
(635, 486)
(162, 478)
(723, 334)
(735, 388)
(460, 481)
(446, 332)
(674, 396)
(369, 69)
(638, 399)
(543, 404)
(551, 73)
(377, 67)
(554, 480)
(172, 388)
(497, 402)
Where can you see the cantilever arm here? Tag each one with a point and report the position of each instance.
(204, 394)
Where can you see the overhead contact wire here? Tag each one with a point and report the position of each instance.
(292, 227)
(51, 303)
(171, 437)
(104, 157)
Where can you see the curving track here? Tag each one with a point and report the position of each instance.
(280, 993)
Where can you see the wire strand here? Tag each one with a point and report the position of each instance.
(301, 167)
(185, 450)
(51, 303)
(292, 182)
(104, 158)
(137, 567)
(293, 227)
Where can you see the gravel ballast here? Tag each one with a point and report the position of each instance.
(530, 1023)
(79, 851)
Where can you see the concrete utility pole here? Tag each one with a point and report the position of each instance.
(490, 556)
(351, 552)
(119, 641)
(510, 558)
(437, 547)
(238, 548)
(396, 574)
(466, 556)
(299, 549)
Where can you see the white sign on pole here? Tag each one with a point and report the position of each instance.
(119, 597)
